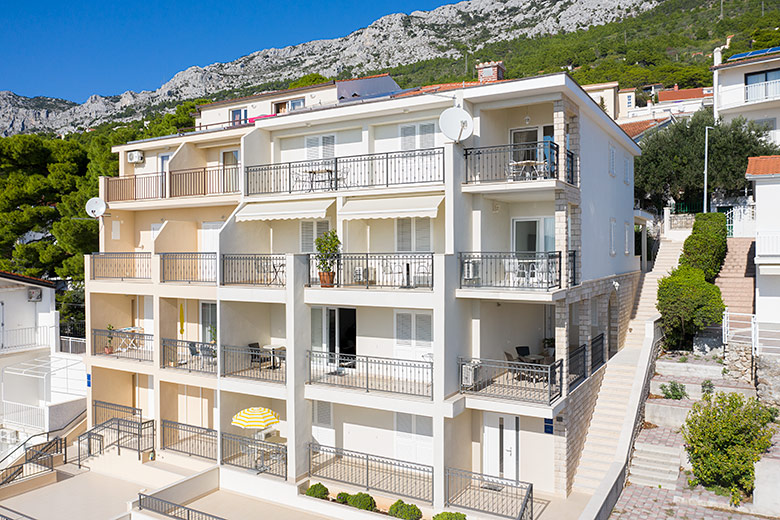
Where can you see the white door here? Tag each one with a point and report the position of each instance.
(500, 444)
(147, 322)
(414, 438)
(413, 335)
(208, 242)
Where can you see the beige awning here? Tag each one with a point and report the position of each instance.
(396, 207)
(303, 209)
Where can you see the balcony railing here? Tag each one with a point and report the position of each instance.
(518, 270)
(512, 162)
(189, 439)
(213, 180)
(192, 356)
(28, 469)
(571, 167)
(495, 495)
(189, 267)
(572, 269)
(372, 374)
(25, 416)
(251, 269)
(25, 338)
(132, 434)
(768, 243)
(254, 363)
(103, 411)
(596, 352)
(269, 458)
(172, 509)
(144, 186)
(121, 344)
(762, 91)
(121, 266)
(396, 477)
(394, 270)
(577, 364)
(344, 173)
(511, 380)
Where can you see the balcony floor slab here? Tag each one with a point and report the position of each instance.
(356, 296)
(376, 400)
(519, 295)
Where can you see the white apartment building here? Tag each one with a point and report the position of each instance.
(480, 286)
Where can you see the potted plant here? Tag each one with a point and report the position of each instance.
(212, 334)
(328, 246)
(108, 349)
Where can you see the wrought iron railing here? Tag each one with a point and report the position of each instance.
(571, 167)
(189, 267)
(172, 509)
(122, 344)
(397, 270)
(511, 379)
(72, 337)
(121, 266)
(254, 363)
(44, 463)
(189, 439)
(396, 477)
(519, 270)
(192, 356)
(131, 433)
(269, 458)
(144, 186)
(351, 172)
(512, 162)
(252, 269)
(571, 269)
(213, 180)
(577, 364)
(596, 352)
(372, 374)
(486, 494)
(103, 411)
(680, 208)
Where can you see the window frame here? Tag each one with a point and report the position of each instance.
(413, 234)
(300, 232)
(612, 231)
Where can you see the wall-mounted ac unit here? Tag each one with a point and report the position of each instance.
(34, 294)
(469, 375)
(471, 269)
(365, 274)
(135, 156)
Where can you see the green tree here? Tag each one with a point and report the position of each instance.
(308, 80)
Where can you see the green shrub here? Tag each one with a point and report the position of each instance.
(687, 303)
(342, 498)
(707, 387)
(399, 509)
(674, 390)
(317, 491)
(706, 247)
(449, 516)
(362, 501)
(725, 435)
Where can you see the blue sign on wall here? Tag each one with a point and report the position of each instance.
(548, 426)
(89, 380)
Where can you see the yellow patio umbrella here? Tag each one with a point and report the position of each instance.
(257, 418)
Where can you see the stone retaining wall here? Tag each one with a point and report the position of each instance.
(768, 379)
(682, 221)
(738, 359)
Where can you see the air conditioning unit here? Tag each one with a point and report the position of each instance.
(34, 294)
(471, 270)
(364, 274)
(469, 375)
(135, 156)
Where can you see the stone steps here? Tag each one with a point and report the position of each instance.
(693, 385)
(654, 465)
(690, 368)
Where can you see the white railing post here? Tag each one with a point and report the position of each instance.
(725, 326)
(754, 334)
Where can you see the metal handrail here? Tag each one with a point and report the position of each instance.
(189, 439)
(121, 266)
(254, 269)
(142, 186)
(512, 162)
(512, 380)
(577, 364)
(208, 180)
(172, 509)
(254, 363)
(103, 411)
(396, 270)
(596, 352)
(44, 463)
(122, 344)
(511, 270)
(192, 356)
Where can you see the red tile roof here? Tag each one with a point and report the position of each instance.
(763, 165)
(439, 87)
(635, 128)
(685, 93)
(23, 278)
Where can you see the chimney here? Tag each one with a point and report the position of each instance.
(676, 87)
(490, 71)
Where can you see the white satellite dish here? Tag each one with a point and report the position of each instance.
(456, 124)
(96, 207)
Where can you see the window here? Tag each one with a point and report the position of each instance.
(282, 107)
(757, 84)
(612, 160)
(532, 235)
(320, 147)
(322, 414)
(630, 100)
(413, 335)
(418, 136)
(311, 230)
(238, 116)
(612, 225)
(208, 322)
(628, 238)
(768, 124)
(413, 235)
(164, 162)
(295, 104)
(627, 170)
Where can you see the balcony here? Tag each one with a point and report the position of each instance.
(763, 91)
(518, 163)
(376, 270)
(189, 440)
(146, 186)
(372, 374)
(269, 458)
(122, 344)
(486, 494)
(25, 338)
(189, 268)
(171, 509)
(529, 382)
(121, 266)
(520, 270)
(255, 363)
(348, 173)
(250, 269)
(213, 180)
(767, 245)
(192, 356)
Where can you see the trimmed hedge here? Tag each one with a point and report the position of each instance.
(399, 509)
(706, 247)
(449, 516)
(342, 497)
(362, 501)
(317, 491)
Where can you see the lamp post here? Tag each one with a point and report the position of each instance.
(706, 154)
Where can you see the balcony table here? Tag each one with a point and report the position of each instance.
(273, 349)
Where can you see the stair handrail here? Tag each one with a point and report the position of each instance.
(48, 438)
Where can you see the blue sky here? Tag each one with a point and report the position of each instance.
(74, 49)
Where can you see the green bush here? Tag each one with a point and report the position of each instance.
(725, 435)
(674, 390)
(399, 509)
(342, 498)
(449, 516)
(706, 247)
(317, 491)
(362, 501)
(687, 303)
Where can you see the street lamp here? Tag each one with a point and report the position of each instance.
(706, 153)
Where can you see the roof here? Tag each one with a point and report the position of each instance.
(636, 128)
(627, 90)
(5, 275)
(683, 93)
(763, 165)
(439, 87)
(747, 61)
(600, 86)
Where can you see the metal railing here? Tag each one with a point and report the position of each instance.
(596, 352)
(53, 447)
(192, 356)
(763, 90)
(571, 269)
(27, 417)
(518, 270)
(511, 379)
(144, 186)
(768, 243)
(121, 266)
(372, 374)
(512, 162)
(72, 337)
(221, 125)
(131, 433)
(571, 167)
(577, 366)
(103, 411)
(212, 180)
(189, 267)
(41, 464)
(172, 509)
(26, 337)
(681, 208)
(396, 477)
(269, 458)
(254, 363)
(189, 439)
(121, 344)
(483, 493)
(251, 269)
(349, 172)
(396, 270)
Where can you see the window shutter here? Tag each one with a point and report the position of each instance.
(403, 422)
(316, 329)
(612, 236)
(328, 146)
(423, 426)
(612, 160)
(422, 234)
(403, 328)
(403, 234)
(427, 134)
(628, 238)
(423, 330)
(307, 236)
(408, 137)
(323, 226)
(312, 147)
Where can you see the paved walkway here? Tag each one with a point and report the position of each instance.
(234, 506)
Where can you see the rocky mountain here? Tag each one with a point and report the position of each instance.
(392, 40)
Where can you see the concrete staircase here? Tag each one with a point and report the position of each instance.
(738, 276)
(612, 402)
(655, 466)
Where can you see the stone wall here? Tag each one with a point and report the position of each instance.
(768, 379)
(738, 359)
(682, 221)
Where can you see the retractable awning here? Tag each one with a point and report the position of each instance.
(293, 210)
(396, 207)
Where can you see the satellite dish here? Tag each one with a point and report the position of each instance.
(456, 124)
(96, 207)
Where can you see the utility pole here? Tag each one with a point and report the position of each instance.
(721, 9)
(706, 156)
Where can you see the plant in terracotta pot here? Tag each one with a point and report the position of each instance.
(108, 348)
(328, 246)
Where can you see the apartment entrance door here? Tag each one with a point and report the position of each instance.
(501, 445)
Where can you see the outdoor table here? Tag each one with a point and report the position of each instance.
(273, 349)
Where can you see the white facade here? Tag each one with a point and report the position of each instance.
(767, 191)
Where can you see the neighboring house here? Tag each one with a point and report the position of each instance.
(28, 318)
(748, 85)
(675, 102)
(638, 129)
(606, 95)
(480, 283)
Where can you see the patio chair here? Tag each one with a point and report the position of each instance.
(515, 371)
(209, 354)
(254, 354)
(193, 351)
(523, 351)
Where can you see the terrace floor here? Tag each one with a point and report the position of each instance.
(234, 506)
